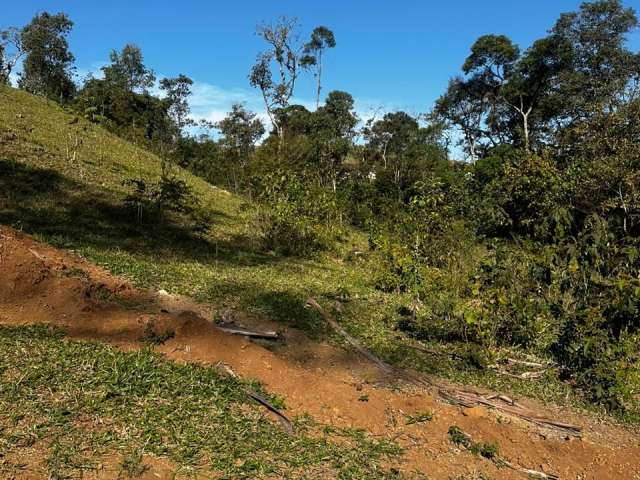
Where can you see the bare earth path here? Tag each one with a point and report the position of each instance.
(39, 284)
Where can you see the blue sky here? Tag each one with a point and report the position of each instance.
(390, 54)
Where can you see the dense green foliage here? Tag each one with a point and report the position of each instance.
(532, 244)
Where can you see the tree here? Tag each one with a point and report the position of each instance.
(177, 91)
(241, 129)
(10, 52)
(493, 64)
(283, 55)
(464, 106)
(48, 63)
(127, 69)
(393, 137)
(321, 39)
(601, 69)
(333, 129)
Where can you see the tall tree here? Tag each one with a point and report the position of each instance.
(178, 91)
(333, 130)
(283, 58)
(464, 107)
(48, 63)
(601, 69)
(493, 65)
(10, 52)
(393, 137)
(321, 39)
(128, 70)
(241, 129)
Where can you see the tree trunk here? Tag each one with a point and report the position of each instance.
(319, 79)
(525, 121)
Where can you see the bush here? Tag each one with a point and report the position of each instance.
(153, 202)
(297, 217)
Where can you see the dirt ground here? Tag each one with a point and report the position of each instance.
(40, 284)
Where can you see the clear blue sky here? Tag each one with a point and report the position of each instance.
(397, 54)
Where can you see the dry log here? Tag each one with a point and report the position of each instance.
(514, 361)
(352, 341)
(249, 333)
(471, 399)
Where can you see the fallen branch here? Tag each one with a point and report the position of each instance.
(470, 399)
(462, 438)
(431, 351)
(514, 361)
(352, 341)
(249, 333)
(527, 471)
(504, 398)
(521, 376)
(284, 420)
(463, 398)
(36, 254)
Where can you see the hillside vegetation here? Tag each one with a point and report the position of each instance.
(528, 247)
(78, 205)
(493, 241)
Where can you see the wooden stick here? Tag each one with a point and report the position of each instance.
(503, 462)
(352, 341)
(470, 399)
(524, 375)
(527, 471)
(284, 420)
(513, 361)
(36, 254)
(249, 333)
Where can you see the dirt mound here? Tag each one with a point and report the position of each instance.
(39, 284)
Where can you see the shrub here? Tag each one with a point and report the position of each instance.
(153, 202)
(298, 218)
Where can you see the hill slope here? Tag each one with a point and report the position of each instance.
(61, 179)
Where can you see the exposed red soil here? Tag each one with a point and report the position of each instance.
(40, 284)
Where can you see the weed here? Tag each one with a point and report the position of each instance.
(133, 466)
(460, 438)
(151, 336)
(420, 417)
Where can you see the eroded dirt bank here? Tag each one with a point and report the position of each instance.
(39, 284)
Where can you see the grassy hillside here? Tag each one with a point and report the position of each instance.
(74, 198)
(86, 407)
(78, 205)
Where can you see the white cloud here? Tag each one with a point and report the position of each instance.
(95, 70)
(212, 102)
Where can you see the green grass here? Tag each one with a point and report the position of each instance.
(77, 402)
(78, 205)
